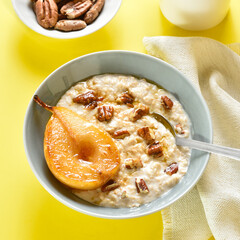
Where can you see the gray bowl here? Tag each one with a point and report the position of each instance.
(123, 62)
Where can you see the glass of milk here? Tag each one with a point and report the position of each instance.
(195, 15)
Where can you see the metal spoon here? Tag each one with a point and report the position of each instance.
(203, 146)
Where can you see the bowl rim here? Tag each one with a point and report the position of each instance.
(66, 36)
(147, 212)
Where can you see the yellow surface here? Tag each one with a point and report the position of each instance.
(26, 58)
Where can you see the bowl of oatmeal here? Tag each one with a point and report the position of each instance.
(116, 91)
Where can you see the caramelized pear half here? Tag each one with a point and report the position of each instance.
(79, 154)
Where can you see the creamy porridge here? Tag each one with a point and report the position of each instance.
(151, 163)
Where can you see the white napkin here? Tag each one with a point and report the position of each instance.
(213, 206)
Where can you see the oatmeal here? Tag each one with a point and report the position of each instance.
(151, 163)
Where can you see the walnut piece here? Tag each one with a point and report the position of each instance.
(140, 111)
(155, 149)
(147, 134)
(171, 169)
(109, 186)
(46, 12)
(179, 129)
(141, 185)
(131, 163)
(105, 113)
(94, 11)
(70, 25)
(75, 9)
(120, 134)
(166, 102)
(125, 98)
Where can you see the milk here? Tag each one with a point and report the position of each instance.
(195, 14)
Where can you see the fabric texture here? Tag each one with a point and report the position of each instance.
(213, 206)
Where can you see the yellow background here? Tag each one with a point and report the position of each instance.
(27, 211)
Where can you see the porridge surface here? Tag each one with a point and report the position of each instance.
(110, 86)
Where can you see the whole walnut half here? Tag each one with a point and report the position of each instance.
(46, 12)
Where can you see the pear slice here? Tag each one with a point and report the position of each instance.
(79, 154)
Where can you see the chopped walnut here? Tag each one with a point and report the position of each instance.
(131, 163)
(139, 112)
(155, 149)
(167, 102)
(171, 169)
(125, 98)
(109, 186)
(105, 113)
(120, 134)
(141, 185)
(147, 134)
(179, 129)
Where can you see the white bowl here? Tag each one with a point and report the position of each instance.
(122, 62)
(25, 12)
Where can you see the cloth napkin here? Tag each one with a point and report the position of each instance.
(213, 206)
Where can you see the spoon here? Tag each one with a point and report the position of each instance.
(203, 146)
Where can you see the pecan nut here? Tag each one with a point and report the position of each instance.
(131, 163)
(155, 149)
(125, 98)
(141, 185)
(171, 169)
(61, 3)
(70, 25)
(139, 112)
(46, 12)
(105, 113)
(86, 98)
(92, 105)
(109, 186)
(166, 102)
(120, 134)
(147, 134)
(94, 11)
(75, 9)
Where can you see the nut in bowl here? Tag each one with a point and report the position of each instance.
(119, 106)
(64, 18)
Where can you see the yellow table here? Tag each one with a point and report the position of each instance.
(27, 211)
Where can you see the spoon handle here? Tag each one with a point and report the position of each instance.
(208, 147)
